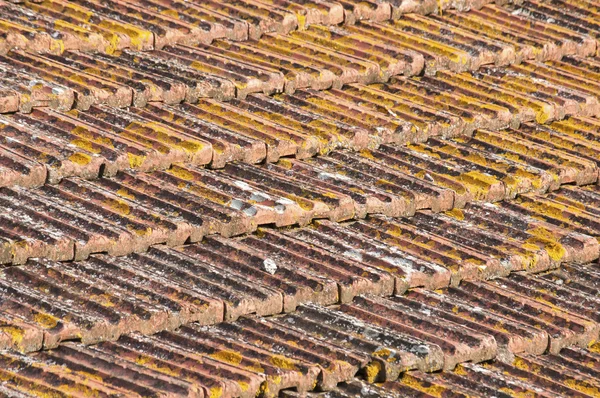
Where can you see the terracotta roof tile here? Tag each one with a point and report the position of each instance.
(247, 78)
(89, 90)
(145, 86)
(318, 57)
(534, 375)
(280, 140)
(564, 328)
(390, 353)
(531, 39)
(32, 91)
(295, 285)
(343, 197)
(162, 145)
(16, 169)
(397, 112)
(545, 235)
(211, 24)
(580, 17)
(156, 23)
(457, 344)
(22, 28)
(104, 140)
(311, 12)
(276, 271)
(359, 388)
(408, 269)
(352, 275)
(258, 356)
(96, 30)
(228, 145)
(391, 60)
(376, 339)
(347, 68)
(67, 148)
(439, 175)
(198, 84)
(298, 70)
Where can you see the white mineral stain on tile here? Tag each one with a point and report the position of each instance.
(243, 185)
(270, 266)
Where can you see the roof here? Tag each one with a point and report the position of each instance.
(299, 198)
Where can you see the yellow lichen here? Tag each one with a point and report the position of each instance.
(135, 160)
(181, 173)
(522, 364)
(243, 386)
(382, 352)
(456, 213)
(372, 370)
(594, 347)
(144, 360)
(283, 362)
(16, 333)
(85, 145)
(80, 159)
(215, 392)
(46, 321)
(583, 387)
(123, 192)
(428, 388)
(78, 390)
(118, 206)
(228, 356)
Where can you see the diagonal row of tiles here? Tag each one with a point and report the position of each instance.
(556, 229)
(273, 271)
(318, 58)
(54, 26)
(47, 145)
(574, 372)
(131, 211)
(397, 341)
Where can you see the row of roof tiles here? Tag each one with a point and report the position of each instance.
(318, 58)
(104, 140)
(274, 271)
(47, 146)
(395, 342)
(57, 25)
(572, 373)
(131, 211)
